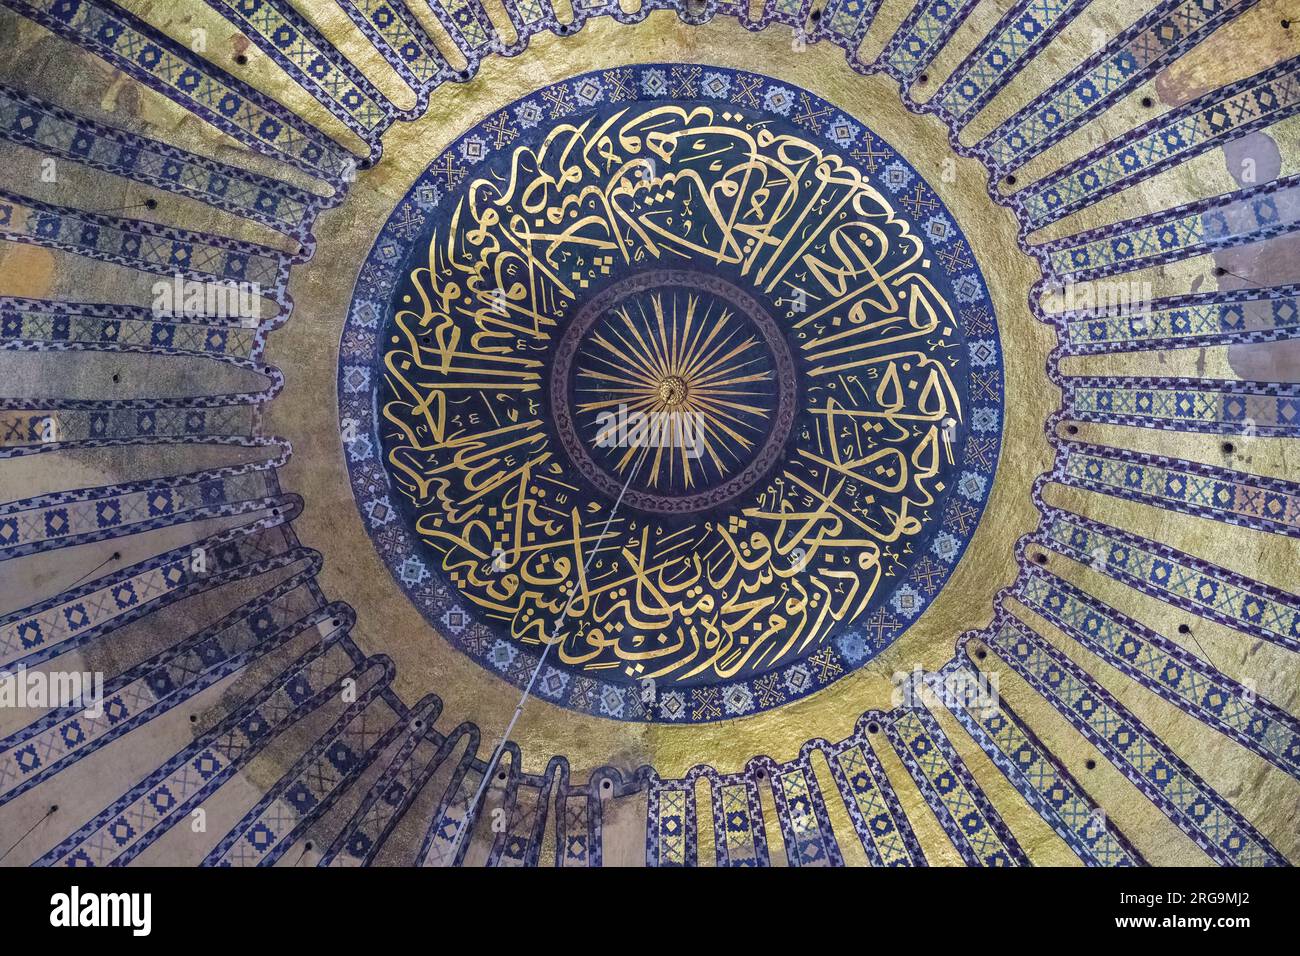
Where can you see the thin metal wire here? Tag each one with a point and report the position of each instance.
(468, 822)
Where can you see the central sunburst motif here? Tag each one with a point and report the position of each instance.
(674, 389)
(678, 390)
(692, 385)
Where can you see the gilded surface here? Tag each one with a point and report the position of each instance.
(396, 627)
(598, 274)
(424, 662)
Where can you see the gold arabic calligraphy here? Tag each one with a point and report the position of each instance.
(469, 437)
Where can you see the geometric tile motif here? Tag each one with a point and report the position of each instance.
(399, 37)
(964, 812)
(1219, 493)
(1036, 773)
(573, 842)
(1023, 31)
(926, 29)
(140, 244)
(1177, 578)
(358, 736)
(56, 132)
(119, 510)
(808, 839)
(68, 620)
(166, 797)
(32, 430)
(466, 21)
(297, 47)
(735, 826)
(442, 845)
(671, 837)
(66, 734)
(848, 21)
(1235, 218)
(1251, 315)
(44, 323)
(1201, 405)
(392, 794)
(1127, 61)
(1210, 820)
(886, 835)
(402, 40)
(1165, 668)
(198, 85)
(520, 843)
(1176, 137)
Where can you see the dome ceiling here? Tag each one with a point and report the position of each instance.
(843, 432)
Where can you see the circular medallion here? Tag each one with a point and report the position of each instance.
(683, 399)
(673, 391)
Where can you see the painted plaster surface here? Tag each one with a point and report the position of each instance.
(775, 434)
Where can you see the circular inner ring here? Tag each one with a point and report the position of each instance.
(672, 397)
